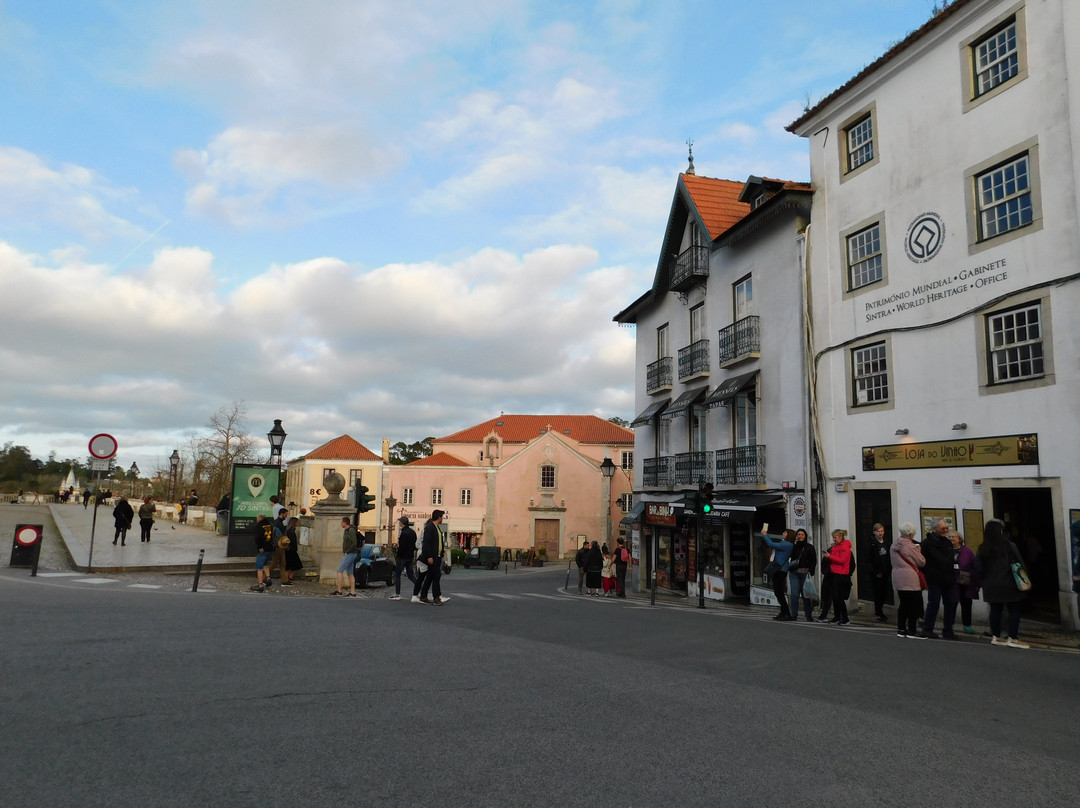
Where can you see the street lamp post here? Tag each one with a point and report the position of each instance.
(607, 468)
(174, 465)
(277, 436)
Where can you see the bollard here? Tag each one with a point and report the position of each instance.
(198, 572)
(566, 586)
(37, 555)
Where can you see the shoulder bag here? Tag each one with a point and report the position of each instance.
(919, 572)
(1019, 574)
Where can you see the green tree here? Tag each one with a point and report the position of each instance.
(402, 453)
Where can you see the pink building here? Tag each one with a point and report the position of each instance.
(522, 481)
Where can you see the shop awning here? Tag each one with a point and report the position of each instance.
(466, 525)
(740, 506)
(730, 388)
(650, 412)
(684, 402)
(633, 515)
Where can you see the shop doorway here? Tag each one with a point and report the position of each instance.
(1028, 514)
(872, 506)
(547, 536)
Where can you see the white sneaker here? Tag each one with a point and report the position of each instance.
(998, 641)
(1016, 643)
(395, 597)
(415, 599)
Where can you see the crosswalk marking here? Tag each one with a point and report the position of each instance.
(144, 586)
(545, 597)
(96, 581)
(59, 574)
(469, 597)
(505, 596)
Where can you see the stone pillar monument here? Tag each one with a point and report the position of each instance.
(326, 530)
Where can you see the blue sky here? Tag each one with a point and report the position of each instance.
(387, 219)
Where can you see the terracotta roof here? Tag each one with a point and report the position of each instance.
(888, 56)
(717, 201)
(342, 448)
(523, 428)
(438, 459)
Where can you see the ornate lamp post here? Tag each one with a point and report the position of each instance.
(277, 436)
(607, 468)
(174, 464)
(390, 504)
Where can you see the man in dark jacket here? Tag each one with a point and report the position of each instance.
(431, 552)
(122, 514)
(406, 549)
(579, 559)
(880, 570)
(940, 581)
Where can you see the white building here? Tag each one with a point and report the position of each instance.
(719, 382)
(944, 257)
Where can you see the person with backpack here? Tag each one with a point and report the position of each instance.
(841, 563)
(347, 566)
(622, 561)
(264, 548)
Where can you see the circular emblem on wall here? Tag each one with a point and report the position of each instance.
(924, 237)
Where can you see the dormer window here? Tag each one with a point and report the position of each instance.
(759, 200)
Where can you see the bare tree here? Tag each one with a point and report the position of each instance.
(213, 455)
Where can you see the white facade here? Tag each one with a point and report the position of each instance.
(726, 324)
(944, 260)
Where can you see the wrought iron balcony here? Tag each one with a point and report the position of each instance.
(740, 340)
(743, 464)
(694, 360)
(691, 467)
(658, 471)
(658, 375)
(691, 268)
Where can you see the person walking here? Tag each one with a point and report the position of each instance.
(579, 559)
(406, 550)
(802, 565)
(907, 579)
(940, 581)
(347, 567)
(122, 518)
(777, 568)
(994, 562)
(622, 561)
(146, 518)
(841, 564)
(264, 548)
(293, 562)
(880, 570)
(968, 582)
(432, 548)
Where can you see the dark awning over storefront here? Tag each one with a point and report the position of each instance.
(730, 388)
(683, 402)
(650, 412)
(633, 515)
(740, 506)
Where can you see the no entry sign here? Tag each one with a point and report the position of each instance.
(102, 446)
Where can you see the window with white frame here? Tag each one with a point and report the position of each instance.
(326, 473)
(745, 414)
(743, 292)
(547, 476)
(996, 58)
(406, 496)
(663, 437)
(859, 137)
(1015, 344)
(662, 342)
(436, 496)
(864, 257)
(627, 461)
(355, 476)
(466, 497)
(626, 502)
(697, 323)
(870, 374)
(1003, 197)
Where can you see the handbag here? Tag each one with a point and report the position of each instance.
(771, 569)
(809, 589)
(963, 578)
(919, 572)
(1019, 574)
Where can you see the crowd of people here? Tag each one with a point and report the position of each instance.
(601, 571)
(941, 565)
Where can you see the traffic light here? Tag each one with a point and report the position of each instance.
(364, 501)
(705, 496)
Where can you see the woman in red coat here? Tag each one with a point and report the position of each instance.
(838, 559)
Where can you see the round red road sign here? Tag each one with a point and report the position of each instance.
(103, 446)
(28, 535)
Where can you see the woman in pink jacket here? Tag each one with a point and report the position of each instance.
(838, 557)
(907, 560)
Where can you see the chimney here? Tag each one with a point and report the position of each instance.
(386, 450)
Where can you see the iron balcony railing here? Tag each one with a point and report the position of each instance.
(658, 471)
(743, 464)
(691, 268)
(693, 467)
(740, 339)
(694, 359)
(658, 375)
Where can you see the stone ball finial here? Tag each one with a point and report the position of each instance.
(334, 484)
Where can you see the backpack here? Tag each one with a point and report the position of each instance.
(851, 563)
(624, 556)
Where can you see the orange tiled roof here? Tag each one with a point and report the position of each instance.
(438, 459)
(341, 448)
(717, 202)
(523, 428)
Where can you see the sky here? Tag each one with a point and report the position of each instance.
(382, 218)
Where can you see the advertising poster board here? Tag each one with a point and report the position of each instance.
(931, 516)
(252, 486)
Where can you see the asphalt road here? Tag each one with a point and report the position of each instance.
(512, 694)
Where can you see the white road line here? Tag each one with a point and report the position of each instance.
(504, 596)
(59, 574)
(469, 597)
(97, 581)
(545, 597)
(144, 586)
